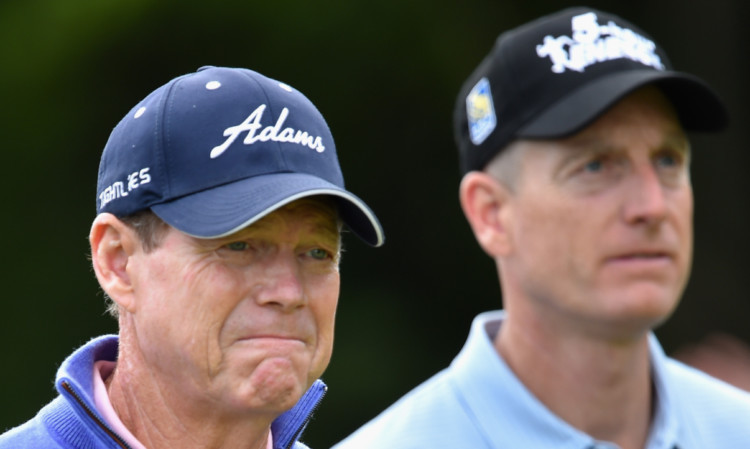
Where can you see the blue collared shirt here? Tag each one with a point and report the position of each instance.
(478, 402)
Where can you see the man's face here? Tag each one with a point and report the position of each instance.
(245, 321)
(602, 221)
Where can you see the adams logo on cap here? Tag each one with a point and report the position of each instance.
(592, 43)
(275, 133)
(480, 112)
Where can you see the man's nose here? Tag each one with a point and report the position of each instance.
(645, 201)
(281, 284)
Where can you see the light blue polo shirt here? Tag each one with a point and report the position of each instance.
(477, 402)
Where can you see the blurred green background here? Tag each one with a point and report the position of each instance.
(385, 75)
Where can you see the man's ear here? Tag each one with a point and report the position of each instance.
(112, 245)
(484, 201)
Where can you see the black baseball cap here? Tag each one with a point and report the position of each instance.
(213, 151)
(553, 76)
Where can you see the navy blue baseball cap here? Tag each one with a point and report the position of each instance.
(553, 76)
(212, 152)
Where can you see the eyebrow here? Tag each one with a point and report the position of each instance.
(321, 222)
(677, 141)
(578, 146)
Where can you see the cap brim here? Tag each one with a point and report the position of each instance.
(226, 209)
(697, 105)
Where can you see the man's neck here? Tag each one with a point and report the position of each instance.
(601, 387)
(160, 417)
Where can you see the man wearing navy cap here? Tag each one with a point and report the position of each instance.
(575, 162)
(220, 203)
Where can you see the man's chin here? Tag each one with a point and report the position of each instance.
(273, 386)
(276, 382)
(634, 322)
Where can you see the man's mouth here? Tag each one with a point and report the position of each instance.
(643, 256)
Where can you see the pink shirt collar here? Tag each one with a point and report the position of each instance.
(102, 370)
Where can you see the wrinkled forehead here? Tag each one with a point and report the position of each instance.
(323, 205)
(320, 211)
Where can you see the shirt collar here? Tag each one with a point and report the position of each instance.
(665, 426)
(76, 372)
(495, 395)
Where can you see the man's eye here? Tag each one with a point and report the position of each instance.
(319, 254)
(667, 160)
(237, 246)
(594, 166)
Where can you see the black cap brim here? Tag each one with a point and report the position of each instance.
(698, 107)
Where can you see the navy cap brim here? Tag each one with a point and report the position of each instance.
(696, 104)
(228, 208)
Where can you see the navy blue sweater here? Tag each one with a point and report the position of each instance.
(72, 421)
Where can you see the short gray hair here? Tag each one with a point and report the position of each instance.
(150, 230)
(506, 165)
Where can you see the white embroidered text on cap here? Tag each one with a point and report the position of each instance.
(252, 124)
(592, 43)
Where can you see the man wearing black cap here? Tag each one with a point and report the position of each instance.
(575, 163)
(220, 202)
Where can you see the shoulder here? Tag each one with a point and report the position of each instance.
(709, 409)
(32, 433)
(429, 414)
(442, 411)
(692, 386)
